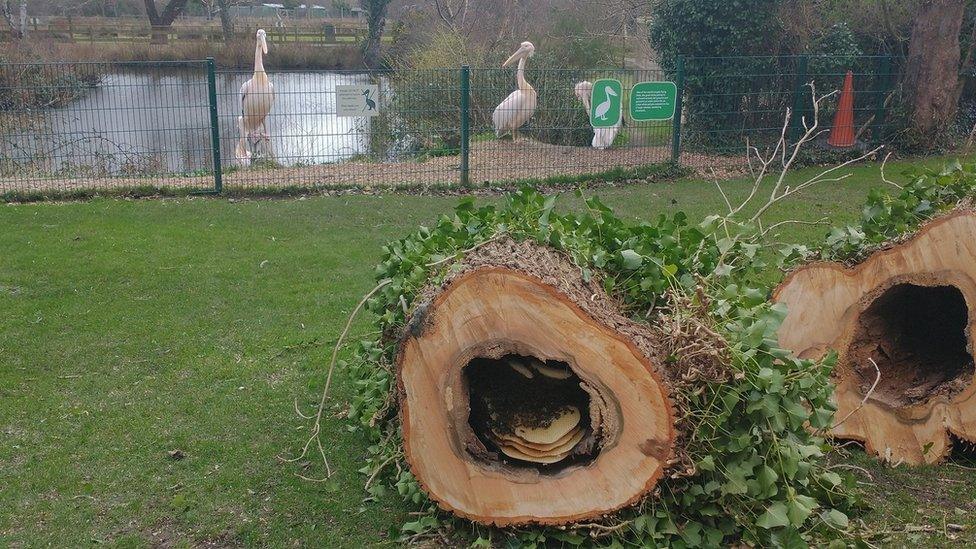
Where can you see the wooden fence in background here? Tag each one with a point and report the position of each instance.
(93, 29)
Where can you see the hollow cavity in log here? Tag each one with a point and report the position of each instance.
(531, 413)
(916, 335)
(910, 309)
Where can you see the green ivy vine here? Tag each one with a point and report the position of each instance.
(893, 212)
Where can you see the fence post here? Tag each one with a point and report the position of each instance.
(465, 124)
(883, 79)
(796, 121)
(214, 125)
(678, 100)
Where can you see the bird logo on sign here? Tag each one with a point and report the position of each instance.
(370, 104)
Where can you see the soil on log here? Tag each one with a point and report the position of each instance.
(901, 322)
(526, 398)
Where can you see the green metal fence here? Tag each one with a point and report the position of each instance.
(71, 127)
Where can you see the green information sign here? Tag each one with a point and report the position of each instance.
(606, 103)
(653, 101)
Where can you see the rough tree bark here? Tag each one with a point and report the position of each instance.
(18, 23)
(226, 23)
(489, 440)
(162, 21)
(169, 14)
(932, 70)
(376, 20)
(902, 324)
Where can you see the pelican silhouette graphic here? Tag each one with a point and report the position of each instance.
(604, 108)
(370, 104)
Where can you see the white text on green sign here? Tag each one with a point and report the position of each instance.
(606, 102)
(653, 101)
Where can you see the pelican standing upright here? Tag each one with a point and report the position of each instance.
(512, 113)
(257, 98)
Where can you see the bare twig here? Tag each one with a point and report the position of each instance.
(462, 252)
(866, 395)
(767, 230)
(883, 177)
(314, 437)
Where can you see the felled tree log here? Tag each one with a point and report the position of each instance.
(526, 398)
(901, 322)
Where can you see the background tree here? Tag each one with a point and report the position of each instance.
(16, 19)
(376, 19)
(169, 14)
(932, 70)
(226, 23)
(723, 94)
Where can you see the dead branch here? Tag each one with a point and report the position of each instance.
(866, 395)
(315, 436)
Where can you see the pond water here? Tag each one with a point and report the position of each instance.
(159, 121)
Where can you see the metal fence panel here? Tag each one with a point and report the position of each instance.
(79, 127)
(75, 127)
(732, 101)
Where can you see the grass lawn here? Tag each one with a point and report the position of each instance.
(130, 329)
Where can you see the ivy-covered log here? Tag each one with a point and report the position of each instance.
(511, 354)
(575, 379)
(902, 324)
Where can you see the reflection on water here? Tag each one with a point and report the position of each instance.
(152, 122)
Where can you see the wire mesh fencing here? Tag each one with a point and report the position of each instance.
(73, 127)
(734, 102)
(67, 127)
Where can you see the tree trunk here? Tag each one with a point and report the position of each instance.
(23, 18)
(376, 22)
(526, 398)
(170, 12)
(932, 71)
(902, 323)
(16, 29)
(226, 24)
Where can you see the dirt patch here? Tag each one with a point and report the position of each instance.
(917, 336)
(491, 161)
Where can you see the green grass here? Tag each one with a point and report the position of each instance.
(130, 328)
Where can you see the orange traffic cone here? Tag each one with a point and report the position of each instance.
(842, 134)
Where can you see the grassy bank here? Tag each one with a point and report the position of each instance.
(130, 330)
(236, 54)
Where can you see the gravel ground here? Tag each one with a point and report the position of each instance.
(489, 161)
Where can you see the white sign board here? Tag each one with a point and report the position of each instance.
(357, 100)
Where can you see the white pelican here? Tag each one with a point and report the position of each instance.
(602, 137)
(520, 105)
(257, 97)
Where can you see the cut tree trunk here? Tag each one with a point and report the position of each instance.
(525, 398)
(901, 323)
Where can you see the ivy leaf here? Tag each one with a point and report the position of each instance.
(767, 477)
(788, 539)
(630, 260)
(831, 478)
(776, 516)
(835, 519)
(800, 508)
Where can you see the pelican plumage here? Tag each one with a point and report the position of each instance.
(602, 137)
(257, 98)
(512, 113)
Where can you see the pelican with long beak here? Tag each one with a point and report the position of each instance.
(257, 98)
(520, 105)
(602, 137)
